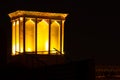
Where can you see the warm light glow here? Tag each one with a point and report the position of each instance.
(21, 50)
(30, 35)
(53, 52)
(28, 49)
(38, 14)
(49, 33)
(21, 34)
(13, 23)
(13, 50)
(17, 36)
(55, 36)
(13, 38)
(17, 22)
(46, 46)
(42, 37)
(21, 18)
(63, 36)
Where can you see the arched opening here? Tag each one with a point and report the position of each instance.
(55, 36)
(42, 37)
(29, 35)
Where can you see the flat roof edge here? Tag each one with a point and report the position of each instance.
(37, 14)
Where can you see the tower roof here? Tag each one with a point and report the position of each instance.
(22, 13)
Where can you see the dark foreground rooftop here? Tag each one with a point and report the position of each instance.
(75, 70)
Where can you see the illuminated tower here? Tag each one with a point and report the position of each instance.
(37, 32)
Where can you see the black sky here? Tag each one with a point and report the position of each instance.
(91, 29)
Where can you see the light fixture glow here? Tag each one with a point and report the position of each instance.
(37, 32)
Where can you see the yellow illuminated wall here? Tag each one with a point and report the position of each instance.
(21, 35)
(55, 36)
(37, 32)
(13, 38)
(42, 37)
(63, 37)
(17, 37)
(29, 35)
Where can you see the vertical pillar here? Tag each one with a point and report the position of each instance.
(60, 36)
(49, 36)
(19, 35)
(12, 36)
(15, 38)
(63, 36)
(35, 35)
(24, 35)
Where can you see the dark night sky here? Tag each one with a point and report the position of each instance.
(91, 29)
